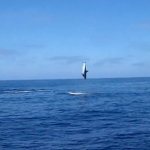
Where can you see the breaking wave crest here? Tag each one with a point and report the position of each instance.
(25, 91)
(77, 93)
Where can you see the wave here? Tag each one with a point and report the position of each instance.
(77, 93)
(25, 91)
(44, 90)
(17, 91)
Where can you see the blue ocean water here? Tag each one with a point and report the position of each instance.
(98, 114)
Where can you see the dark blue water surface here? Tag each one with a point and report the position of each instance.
(99, 114)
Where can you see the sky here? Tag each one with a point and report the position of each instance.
(50, 39)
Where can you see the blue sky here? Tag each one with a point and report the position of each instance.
(49, 39)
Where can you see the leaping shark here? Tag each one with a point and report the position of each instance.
(84, 71)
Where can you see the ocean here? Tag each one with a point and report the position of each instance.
(75, 114)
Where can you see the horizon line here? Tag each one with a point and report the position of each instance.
(73, 78)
